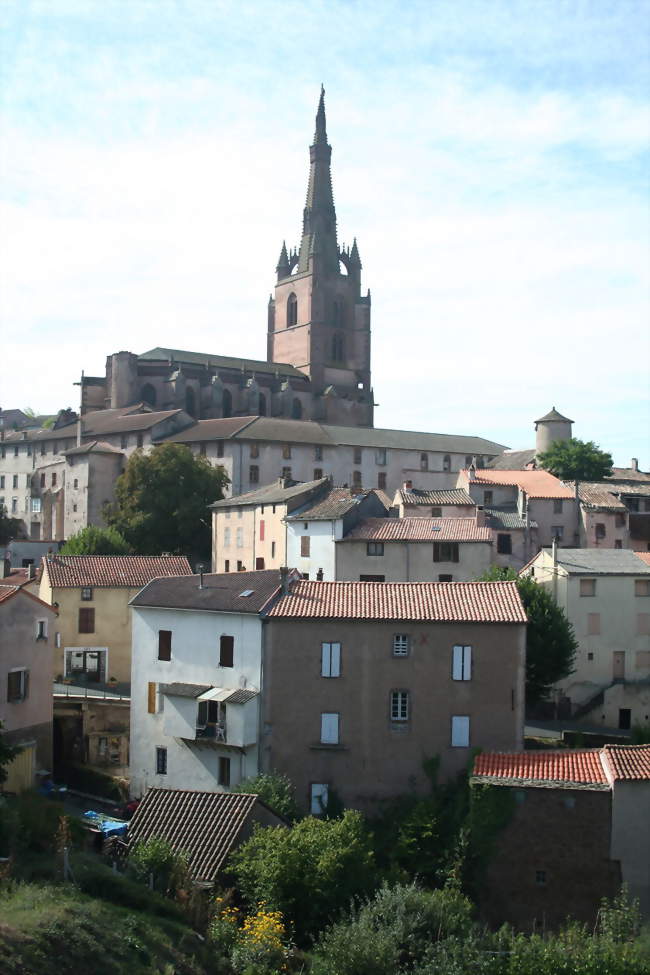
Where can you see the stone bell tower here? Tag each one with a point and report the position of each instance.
(318, 320)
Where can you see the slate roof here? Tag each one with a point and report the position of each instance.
(221, 592)
(453, 496)
(112, 571)
(109, 421)
(94, 447)
(600, 561)
(219, 429)
(507, 519)
(570, 767)
(628, 474)
(179, 356)
(594, 494)
(553, 415)
(419, 530)
(466, 602)
(536, 484)
(335, 504)
(205, 825)
(278, 492)
(513, 460)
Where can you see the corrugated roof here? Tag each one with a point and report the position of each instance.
(536, 484)
(278, 492)
(600, 561)
(112, 571)
(205, 825)
(467, 602)
(179, 356)
(419, 530)
(221, 592)
(568, 767)
(453, 496)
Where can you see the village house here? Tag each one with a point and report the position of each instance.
(27, 628)
(411, 502)
(605, 594)
(603, 516)
(363, 682)
(577, 829)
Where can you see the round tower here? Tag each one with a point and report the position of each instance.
(549, 428)
(122, 374)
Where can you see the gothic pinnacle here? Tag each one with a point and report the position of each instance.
(320, 135)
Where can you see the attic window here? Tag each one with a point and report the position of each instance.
(247, 592)
(435, 528)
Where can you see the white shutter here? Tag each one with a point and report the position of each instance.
(460, 731)
(329, 729)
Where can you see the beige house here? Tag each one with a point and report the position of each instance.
(605, 594)
(92, 592)
(364, 682)
(604, 519)
(414, 550)
(27, 628)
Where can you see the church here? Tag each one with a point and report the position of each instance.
(318, 343)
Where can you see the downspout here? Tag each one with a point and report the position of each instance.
(554, 557)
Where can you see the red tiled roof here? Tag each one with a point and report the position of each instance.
(130, 571)
(580, 766)
(20, 577)
(7, 592)
(596, 495)
(536, 484)
(628, 761)
(419, 530)
(467, 602)
(644, 556)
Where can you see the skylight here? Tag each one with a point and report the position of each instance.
(247, 592)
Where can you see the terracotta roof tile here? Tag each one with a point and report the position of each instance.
(596, 495)
(644, 556)
(628, 761)
(453, 496)
(419, 530)
(536, 484)
(130, 571)
(468, 602)
(579, 766)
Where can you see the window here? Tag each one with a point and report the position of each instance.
(259, 563)
(601, 531)
(372, 578)
(272, 550)
(318, 473)
(557, 531)
(487, 497)
(16, 451)
(254, 474)
(53, 480)
(164, 644)
(424, 462)
(587, 587)
(2, 481)
(86, 593)
(381, 480)
(504, 544)
(468, 460)
(17, 684)
(446, 463)
(356, 455)
(262, 527)
(401, 645)
(41, 630)
(240, 565)
(318, 798)
(540, 877)
(642, 587)
(226, 565)
(445, 578)
(14, 506)
(318, 452)
(436, 512)
(445, 552)
(226, 537)
(338, 347)
(557, 506)
(15, 481)
(86, 621)
(643, 624)
(226, 651)
(219, 448)
(76, 483)
(139, 440)
(292, 310)
(124, 441)
(43, 450)
(36, 506)
(286, 473)
(380, 456)
(375, 548)
(593, 624)
(356, 479)
(642, 661)
(618, 543)
(224, 772)
(42, 480)
(460, 731)
(304, 546)
(329, 728)
(151, 697)
(240, 538)
(286, 451)
(461, 665)
(399, 705)
(161, 761)
(632, 503)
(330, 665)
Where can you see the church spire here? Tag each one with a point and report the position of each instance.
(320, 135)
(282, 267)
(319, 215)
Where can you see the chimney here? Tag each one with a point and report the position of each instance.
(634, 463)
(200, 569)
(407, 486)
(31, 571)
(480, 516)
(471, 471)
(6, 567)
(320, 575)
(284, 580)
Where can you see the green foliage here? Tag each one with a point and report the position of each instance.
(96, 879)
(9, 527)
(550, 640)
(276, 790)
(96, 541)
(30, 822)
(576, 460)
(7, 754)
(155, 857)
(391, 932)
(308, 873)
(85, 779)
(490, 811)
(162, 501)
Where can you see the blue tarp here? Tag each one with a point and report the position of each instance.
(108, 825)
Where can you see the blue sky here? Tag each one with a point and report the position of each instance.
(491, 159)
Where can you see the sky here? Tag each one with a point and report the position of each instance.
(490, 157)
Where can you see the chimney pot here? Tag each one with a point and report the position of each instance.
(407, 486)
(635, 463)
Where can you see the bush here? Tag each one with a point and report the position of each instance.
(156, 858)
(276, 791)
(98, 880)
(30, 822)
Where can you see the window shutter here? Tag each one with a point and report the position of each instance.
(304, 545)
(457, 665)
(326, 660)
(329, 729)
(25, 683)
(335, 658)
(151, 697)
(226, 651)
(86, 620)
(436, 552)
(262, 530)
(460, 731)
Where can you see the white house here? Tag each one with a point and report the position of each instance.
(196, 678)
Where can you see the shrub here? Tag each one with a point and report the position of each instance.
(276, 791)
(155, 857)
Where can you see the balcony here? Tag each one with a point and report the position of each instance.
(223, 716)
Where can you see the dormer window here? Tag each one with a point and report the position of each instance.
(292, 310)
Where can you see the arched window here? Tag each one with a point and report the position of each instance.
(190, 401)
(446, 463)
(262, 406)
(296, 409)
(227, 402)
(148, 394)
(338, 348)
(292, 310)
(424, 462)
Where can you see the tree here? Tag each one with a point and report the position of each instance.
(162, 502)
(275, 790)
(7, 754)
(550, 641)
(576, 460)
(9, 527)
(308, 873)
(96, 541)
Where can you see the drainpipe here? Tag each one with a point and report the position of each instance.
(554, 557)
